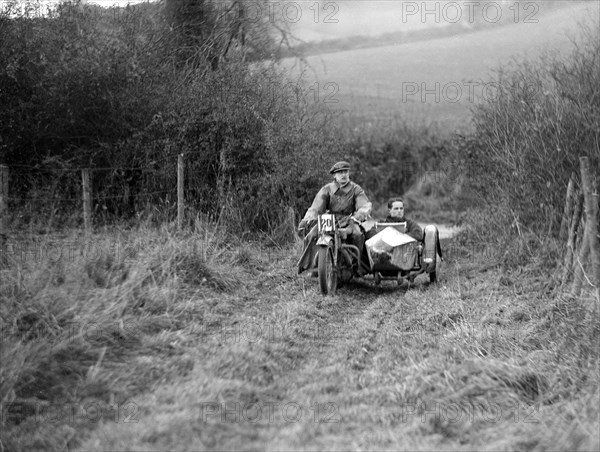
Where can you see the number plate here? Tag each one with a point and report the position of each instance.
(326, 222)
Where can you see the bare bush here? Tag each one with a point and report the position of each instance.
(529, 137)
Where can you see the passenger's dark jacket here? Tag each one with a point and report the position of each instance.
(412, 227)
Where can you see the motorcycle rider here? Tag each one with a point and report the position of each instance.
(396, 215)
(343, 198)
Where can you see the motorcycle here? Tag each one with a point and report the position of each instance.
(341, 261)
(336, 259)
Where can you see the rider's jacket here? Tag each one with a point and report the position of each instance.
(338, 200)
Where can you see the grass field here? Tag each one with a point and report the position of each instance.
(399, 82)
(158, 341)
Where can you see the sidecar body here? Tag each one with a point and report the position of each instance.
(393, 254)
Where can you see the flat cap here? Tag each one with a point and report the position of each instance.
(340, 166)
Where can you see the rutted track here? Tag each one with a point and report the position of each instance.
(340, 372)
(314, 354)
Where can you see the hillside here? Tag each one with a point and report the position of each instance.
(370, 82)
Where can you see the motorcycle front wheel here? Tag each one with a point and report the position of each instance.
(327, 271)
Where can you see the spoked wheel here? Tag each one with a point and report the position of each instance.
(377, 278)
(433, 276)
(327, 271)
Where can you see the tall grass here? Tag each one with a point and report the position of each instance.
(96, 320)
(156, 322)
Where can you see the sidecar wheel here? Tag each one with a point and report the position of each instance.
(327, 271)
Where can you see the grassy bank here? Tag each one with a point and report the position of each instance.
(159, 341)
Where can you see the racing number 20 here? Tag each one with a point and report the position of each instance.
(326, 223)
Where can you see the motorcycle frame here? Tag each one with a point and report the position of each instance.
(346, 251)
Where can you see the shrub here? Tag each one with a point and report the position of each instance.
(529, 138)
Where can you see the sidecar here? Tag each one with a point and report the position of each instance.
(391, 254)
(395, 255)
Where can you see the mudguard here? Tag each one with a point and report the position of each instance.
(324, 240)
(430, 247)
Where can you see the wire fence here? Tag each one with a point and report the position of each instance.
(47, 192)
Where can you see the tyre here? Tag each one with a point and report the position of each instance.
(432, 277)
(400, 279)
(327, 271)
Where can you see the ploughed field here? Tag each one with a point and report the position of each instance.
(434, 82)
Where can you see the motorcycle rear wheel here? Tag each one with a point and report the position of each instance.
(327, 271)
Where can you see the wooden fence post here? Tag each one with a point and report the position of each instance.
(564, 223)
(590, 244)
(596, 238)
(87, 201)
(179, 191)
(578, 269)
(3, 196)
(3, 211)
(590, 219)
(571, 242)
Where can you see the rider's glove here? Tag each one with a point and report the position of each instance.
(302, 228)
(343, 233)
(360, 216)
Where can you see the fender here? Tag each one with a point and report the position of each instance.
(431, 245)
(325, 240)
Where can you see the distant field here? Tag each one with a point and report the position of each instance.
(390, 82)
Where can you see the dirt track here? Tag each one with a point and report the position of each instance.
(278, 366)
